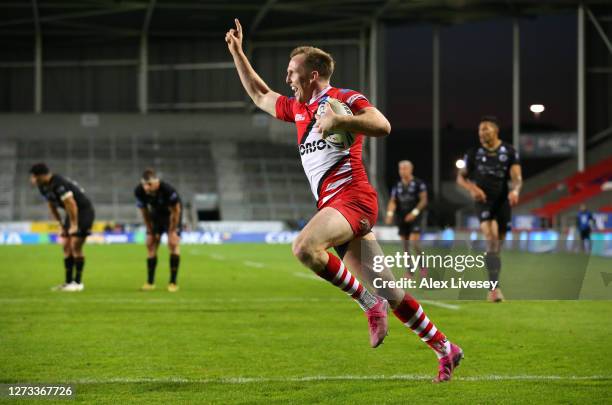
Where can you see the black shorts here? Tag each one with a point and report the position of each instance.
(162, 224)
(498, 210)
(85, 222)
(406, 228)
(585, 234)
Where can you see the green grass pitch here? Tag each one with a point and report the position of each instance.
(250, 325)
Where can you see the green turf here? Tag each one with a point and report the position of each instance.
(259, 333)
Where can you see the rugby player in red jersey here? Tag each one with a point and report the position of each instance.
(347, 203)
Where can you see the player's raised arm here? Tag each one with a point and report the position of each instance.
(254, 85)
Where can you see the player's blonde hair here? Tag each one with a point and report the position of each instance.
(316, 59)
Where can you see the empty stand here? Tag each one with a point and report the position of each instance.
(275, 186)
(108, 167)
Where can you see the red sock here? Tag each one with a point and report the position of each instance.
(412, 315)
(336, 273)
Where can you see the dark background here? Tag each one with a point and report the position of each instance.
(476, 80)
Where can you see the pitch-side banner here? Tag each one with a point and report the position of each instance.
(188, 238)
(532, 242)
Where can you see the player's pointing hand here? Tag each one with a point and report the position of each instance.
(238, 28)
(233, 38)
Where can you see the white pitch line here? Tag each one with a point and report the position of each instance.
(308, 276)
(440, 304)
(164, 300)
(217, 256)
(144, 300)
(428, 302)
(317, 378)
(253, 264)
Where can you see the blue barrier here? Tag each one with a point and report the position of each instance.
(188, 238)
(536, 242)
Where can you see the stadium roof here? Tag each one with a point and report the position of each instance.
(263, 19)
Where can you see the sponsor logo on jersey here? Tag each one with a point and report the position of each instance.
(299, 117)
(311, 147)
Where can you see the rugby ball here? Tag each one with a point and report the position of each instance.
(337, 139)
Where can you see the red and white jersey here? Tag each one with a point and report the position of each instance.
(329, 170)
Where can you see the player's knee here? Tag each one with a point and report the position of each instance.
(300, 251)
(488, 233)
(76, 247)
(303, 251)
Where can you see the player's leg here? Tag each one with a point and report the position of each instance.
(405, 238)
(587, 241)
(326, 229)
(415, 242)
(152, 244)
(68, 259)
(359, 260)
(85, 222)
(504, 225)
(174, 248)
(68, 263)
(77, 243)
(490, 231)
(403, 230)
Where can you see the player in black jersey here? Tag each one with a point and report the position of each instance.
(160, 205)
(405, 207)
(61, 192)
(487, 171)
